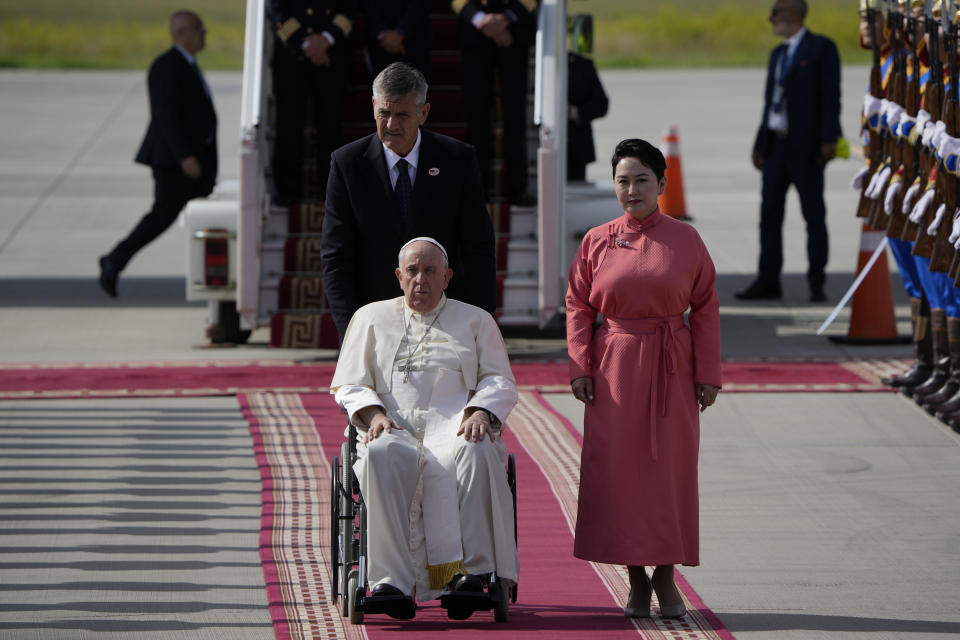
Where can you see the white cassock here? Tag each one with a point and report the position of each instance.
(436, 504)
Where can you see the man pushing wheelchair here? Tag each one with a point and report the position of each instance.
(427, 383)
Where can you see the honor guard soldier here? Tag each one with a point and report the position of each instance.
(495, 39)
(310, 64)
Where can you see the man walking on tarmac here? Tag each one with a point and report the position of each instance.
(798, 135)
(180, 145)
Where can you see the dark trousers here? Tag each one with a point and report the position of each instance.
(479, 67)
(305, 93)
(172, 190)
(782, 167)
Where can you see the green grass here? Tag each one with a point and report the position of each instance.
(665, 33)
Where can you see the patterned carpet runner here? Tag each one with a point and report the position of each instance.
(199, 378)
(295, 436)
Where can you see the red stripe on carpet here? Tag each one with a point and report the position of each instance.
(160, 379)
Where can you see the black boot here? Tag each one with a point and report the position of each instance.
(922, 366)
(934, 402)
(941, 359)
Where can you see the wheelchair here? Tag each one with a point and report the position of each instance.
(349, 589)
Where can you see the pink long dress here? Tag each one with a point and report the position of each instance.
(638, 472)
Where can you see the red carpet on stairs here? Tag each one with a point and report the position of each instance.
(295, 435)
(229, 377)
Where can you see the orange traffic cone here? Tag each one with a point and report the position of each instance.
(671, 201)
(871, 319)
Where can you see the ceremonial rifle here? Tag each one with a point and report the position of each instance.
(945, 191)
(875, 152)
(941, 254)
(932, 100)
(896, 89)
(909, 158)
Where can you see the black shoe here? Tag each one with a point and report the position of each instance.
(760, 291)
(459, 596)
(817, 294)
(469, 584)
(386, 598)
(108, 276)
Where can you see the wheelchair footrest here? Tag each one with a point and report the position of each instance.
(399, 607)
(461, 604)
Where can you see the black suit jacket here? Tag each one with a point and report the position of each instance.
(183, 122)
(585, 92)
(362, 232)
(812, 89)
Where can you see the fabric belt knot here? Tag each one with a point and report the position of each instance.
(666, 360)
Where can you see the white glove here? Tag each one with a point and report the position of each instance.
(955, 235)
(907, 125)
(922, 119)
(857, 182)
(868, 192)
(893, 117)
(909, 196)
(882, 178)
(939, 130)
(926, 134)
(892, 192)
(871, 110)
(932, 229)
(920, 209)
(947, 151)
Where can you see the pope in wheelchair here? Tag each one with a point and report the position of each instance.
(427, 383)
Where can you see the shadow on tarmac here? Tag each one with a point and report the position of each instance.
(744, 622)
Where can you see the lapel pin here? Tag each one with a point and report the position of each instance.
(434, 171)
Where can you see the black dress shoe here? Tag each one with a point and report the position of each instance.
(386, 598)
(760, 291)
(384, 589)
(108, 276)
(469, 584)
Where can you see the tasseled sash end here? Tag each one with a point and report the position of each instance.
(441, 574)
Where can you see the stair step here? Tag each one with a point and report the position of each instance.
(523, 256)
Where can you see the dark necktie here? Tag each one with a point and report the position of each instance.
(403, 189)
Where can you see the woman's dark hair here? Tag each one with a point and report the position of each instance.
(646, 153)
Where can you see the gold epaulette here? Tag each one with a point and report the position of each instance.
(529, 5)
(343, 23)
(287, 29)
(458, 5)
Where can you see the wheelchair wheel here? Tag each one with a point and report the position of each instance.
(346, 526)
(502, 612)
(353, 580)
(334, 530)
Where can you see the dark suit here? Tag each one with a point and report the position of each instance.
(410, 17)
(584, 92)
(305, 91)
(812, 91)
(362, 231)
(183, 123)
(482, 61)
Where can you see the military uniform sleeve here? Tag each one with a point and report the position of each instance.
(294, 21)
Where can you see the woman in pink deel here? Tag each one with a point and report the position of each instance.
(643, 376)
